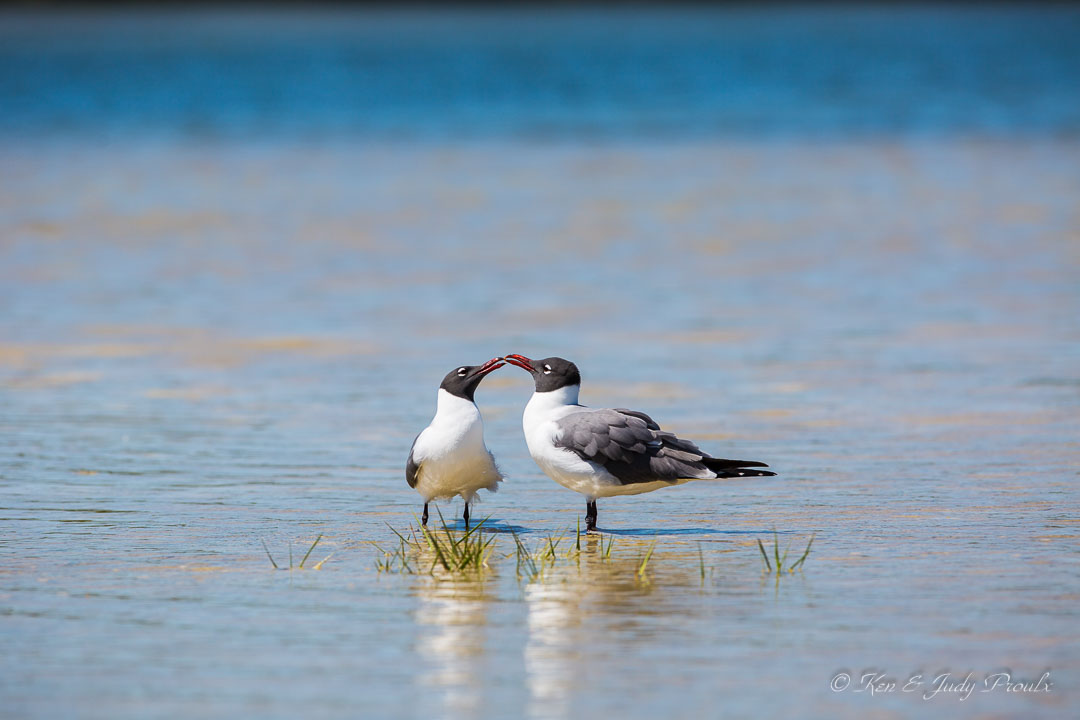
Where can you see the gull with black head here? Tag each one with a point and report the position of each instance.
(601, 452)
(449, 458)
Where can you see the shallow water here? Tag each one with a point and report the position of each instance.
(208, 341)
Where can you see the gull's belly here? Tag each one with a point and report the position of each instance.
(575, 474)
(567, 468)
(593, 480)
(644, 487)
(459, 472)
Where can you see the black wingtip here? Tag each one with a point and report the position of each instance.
(718, 464)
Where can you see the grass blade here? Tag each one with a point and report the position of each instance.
(552, 544)
(310, 549)
(475, 527)
(403, 538)
(525, 559)
(645, 560)
(268, 554)
(784, 558)
(776, 549)
(452, 550)
(433, 542)
(801, 560)
(764, 556)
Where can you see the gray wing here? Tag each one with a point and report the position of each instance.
(411, 466)
(631, 446)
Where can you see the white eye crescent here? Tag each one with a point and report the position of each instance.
(461, 371)
(547, 369)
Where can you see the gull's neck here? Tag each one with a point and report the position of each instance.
(449, 405)
(567, 395)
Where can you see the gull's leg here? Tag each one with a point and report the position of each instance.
(590, 516)
(423, 518)
(466, 516)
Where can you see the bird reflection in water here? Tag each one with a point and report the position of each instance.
(581, 611)
(452, 616)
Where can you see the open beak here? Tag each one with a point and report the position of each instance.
(490, 366)
(521, 361)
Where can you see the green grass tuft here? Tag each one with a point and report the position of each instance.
(781, 560)
(317, 566)
(645, 560)
(611, 541)
(443, 547)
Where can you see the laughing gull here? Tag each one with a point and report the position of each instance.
(449, 456)
(601, 452)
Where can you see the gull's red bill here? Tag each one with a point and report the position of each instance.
(490, 366)
(521, 361)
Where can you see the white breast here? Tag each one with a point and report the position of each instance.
(451, 452)
(563, 466)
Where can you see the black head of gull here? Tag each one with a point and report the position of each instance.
(553, 373)
(464, 380)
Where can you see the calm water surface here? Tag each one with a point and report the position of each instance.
(213, 338)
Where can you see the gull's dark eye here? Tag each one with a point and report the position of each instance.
(462, 371)
(547, 369)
